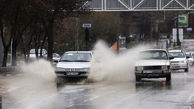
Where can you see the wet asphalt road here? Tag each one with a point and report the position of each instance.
(147, 94)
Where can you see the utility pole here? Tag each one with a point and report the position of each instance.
(87, 35)
(177, 26)
(76, 35)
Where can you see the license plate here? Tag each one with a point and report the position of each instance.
(175, 67)
(72, 73)
(147, 71)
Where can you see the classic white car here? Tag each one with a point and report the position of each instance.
(74, 64)
(180, 61)
(154, 63)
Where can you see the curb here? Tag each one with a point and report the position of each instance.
(4, 70)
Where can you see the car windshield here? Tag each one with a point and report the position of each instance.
(177, 54)
(154, 54)
(56, 55)
(76, 57)
(188, 55)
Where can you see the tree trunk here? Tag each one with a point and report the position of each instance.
(5, 57)
(50, 39)
(14, 47)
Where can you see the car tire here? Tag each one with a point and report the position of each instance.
(138, 78)
(187, 69)
(168, 77)
(60, 81)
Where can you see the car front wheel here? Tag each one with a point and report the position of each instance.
(187, 69)
(168, 78)
(138, 78)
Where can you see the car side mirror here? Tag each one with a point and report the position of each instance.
(171, 57)
(187, 57)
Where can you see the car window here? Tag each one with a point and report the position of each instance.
(188, 55)
(154, 54)
(56, 55)
(32, 51)
(76, 57)
(177, 54)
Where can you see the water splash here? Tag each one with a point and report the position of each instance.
(109, 66)
(34, 88)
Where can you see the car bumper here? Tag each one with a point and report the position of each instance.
(152, 74)
(190, 61)
(179, 66)
(71, 74)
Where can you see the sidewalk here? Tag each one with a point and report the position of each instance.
(8, 69)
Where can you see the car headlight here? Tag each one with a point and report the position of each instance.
(185, 61)
(85, 69)
(139, 68)
(59, 69)
(165, 67)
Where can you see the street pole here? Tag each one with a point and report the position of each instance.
(87, 38)
(76, 35)
(178, 40)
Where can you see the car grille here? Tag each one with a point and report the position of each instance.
(152, 67)
(174, 61)
(73, 69)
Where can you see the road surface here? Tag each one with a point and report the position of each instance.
(147, 94)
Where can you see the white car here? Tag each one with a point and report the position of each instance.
(32, 55)
(190, 58)
(74, 64)
(180, 61)
(154, 63)
(56, 57)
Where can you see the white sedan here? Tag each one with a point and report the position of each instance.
(154, 63)
(180, 61)
(74, 64)
(189, 57)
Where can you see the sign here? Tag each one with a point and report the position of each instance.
(122, 43)
(87, 25)
(181, 35)
(189, 29)
(183, 20)
(174, 35)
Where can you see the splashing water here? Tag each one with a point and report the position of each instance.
(110, 67)
(33, 89)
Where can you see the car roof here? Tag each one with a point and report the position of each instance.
(175, 51)
(78, 52)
